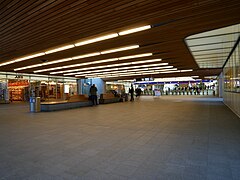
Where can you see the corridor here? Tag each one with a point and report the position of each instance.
(170, 137)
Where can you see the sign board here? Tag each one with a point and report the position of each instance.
(157, 93)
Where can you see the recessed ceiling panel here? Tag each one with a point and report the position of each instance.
(211, 49)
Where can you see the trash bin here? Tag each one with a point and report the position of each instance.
(35, 104)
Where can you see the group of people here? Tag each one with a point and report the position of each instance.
(93, 93)
(138, 92)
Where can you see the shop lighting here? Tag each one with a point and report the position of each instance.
(120, 49)
(60, 49)
(135, 56)
(101, 38)
(129, 31)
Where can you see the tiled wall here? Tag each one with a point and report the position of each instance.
(231, 95)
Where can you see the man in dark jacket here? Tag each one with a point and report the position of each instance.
(131, 91)
(93, 93)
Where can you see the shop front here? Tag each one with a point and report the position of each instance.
(15, 87)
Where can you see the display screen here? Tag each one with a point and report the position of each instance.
(66, 88)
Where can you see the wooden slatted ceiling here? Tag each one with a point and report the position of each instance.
(40, 25)
(30, 26)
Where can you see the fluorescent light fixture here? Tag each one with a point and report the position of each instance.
(112, 65)
(131, 74)
(74, 58)
(148, 61)
(169, 71)
(121, 68)
(60, 49)
(116, 71)
(120, 49)
(101, 38)
(186, 70)
(86, 55)
(108, 60)
(140, 69)
(129, 31)
(162, 67)
(105, 60)
(160, 70)
(6, 63)
(22, 59)
(135, 56)
(81, 43)
(29, 57)
(150, 73)
(44, 64)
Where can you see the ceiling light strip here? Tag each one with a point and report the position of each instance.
(60, 49)
(76, 57)
(82, 64)
(81, 43)
(108, 71)
(130, 31)
(116, 65)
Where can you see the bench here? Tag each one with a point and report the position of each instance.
(75, 101)
(108, 98)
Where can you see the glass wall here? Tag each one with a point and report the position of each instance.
(232, 72)
(3, 89)
(231, 95)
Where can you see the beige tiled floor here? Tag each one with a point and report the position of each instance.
(171, 137)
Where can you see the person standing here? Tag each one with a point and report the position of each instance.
(131, 91)
(93, 93)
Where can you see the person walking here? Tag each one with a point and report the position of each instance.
(93, 93)
(131, 91)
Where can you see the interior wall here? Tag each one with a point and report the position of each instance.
(232, 100)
